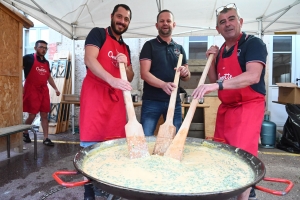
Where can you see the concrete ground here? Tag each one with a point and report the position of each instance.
(24, 178)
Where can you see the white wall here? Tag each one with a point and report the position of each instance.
(278, 113)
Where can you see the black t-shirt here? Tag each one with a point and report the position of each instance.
(250, 49)
(164, 58)
(28, 61)
(97, 37)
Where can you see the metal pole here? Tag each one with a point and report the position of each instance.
(73, 77)
(260, 28)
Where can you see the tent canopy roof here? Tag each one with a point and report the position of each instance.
(75, 18)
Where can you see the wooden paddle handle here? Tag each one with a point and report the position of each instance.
(205, 71)
(190, 114)
(127, 95)
(175, 150)
(171, 108)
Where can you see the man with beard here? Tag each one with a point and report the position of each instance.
(36, 93)
(158, 61)
(102, 108)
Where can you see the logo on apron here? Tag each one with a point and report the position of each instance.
(113, 58)
(225, 76)
(41, 70)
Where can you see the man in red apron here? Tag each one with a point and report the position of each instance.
(36, 93)
(237, 72)
(102, 107)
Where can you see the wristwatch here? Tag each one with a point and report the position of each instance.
(220, 82)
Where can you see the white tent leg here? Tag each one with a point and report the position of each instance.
(73, 80)
(260, 28)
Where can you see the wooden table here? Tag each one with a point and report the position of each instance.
(7, 131)
(185, 107)
(77, 103)
(203, 105)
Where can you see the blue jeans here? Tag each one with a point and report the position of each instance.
(87, 144)
(152, 110)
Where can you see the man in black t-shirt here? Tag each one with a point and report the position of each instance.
(158, 59)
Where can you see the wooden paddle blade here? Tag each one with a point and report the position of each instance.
(167, 130)
(164, 138)
(136, 141)
(135, 136)
(176, 147)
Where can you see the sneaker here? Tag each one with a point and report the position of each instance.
(26, 138)
(252, 195)
(48, 142)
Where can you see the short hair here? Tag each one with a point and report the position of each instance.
(163, 12)
(40, 41)
(225, 10)
(123, 6)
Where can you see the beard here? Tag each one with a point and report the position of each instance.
(42, 53)
(164, 32)
(114, 24)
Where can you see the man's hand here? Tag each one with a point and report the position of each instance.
(57, 92)
(200, 91)
(214, 49)
(184, 71)
(168, 87)
(120, 84)
(121, 58)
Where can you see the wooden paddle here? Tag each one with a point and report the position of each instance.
(135, 137)
(176, 148)
(167, 130)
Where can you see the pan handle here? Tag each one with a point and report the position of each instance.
(275, 192)
(68, 184)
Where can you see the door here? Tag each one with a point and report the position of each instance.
(284, 67)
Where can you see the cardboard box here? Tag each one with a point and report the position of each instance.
(288, 93)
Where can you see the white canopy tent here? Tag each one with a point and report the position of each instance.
(75, 18)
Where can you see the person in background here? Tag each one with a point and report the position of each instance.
(36, 93)
(102, 107)
(158, 61)
(237, 72)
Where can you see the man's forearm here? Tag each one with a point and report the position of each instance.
(51, 82)
(152, 80)
(129, 73)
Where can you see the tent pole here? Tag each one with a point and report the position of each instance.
(260, 28)
(159, 5)
(73, 77)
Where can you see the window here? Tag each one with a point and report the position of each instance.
(282, 59)
(197, 47)
(31, 36)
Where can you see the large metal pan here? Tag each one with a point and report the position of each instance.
(256, 165)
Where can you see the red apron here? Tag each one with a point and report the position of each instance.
(102, 108)
(241, 112)
(36, 93)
